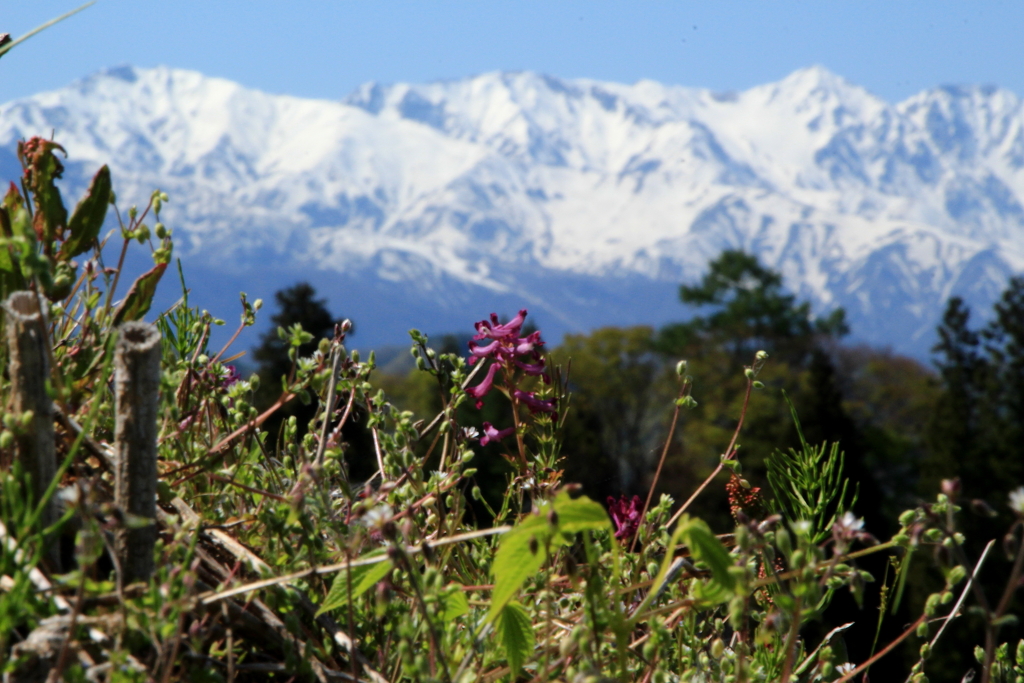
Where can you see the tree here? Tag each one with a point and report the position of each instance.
(977, 432)
(296, 305)
(620, 387)
(753, 311)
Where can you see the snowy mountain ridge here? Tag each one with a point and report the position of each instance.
(589, 201)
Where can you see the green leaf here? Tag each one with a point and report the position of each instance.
(704, 546)
(86, 221)
(140, 296)
(455, 605)
(514, 632)
(580, 514)
(363, 578)
(11, 279)
(519, 557)
(20, 220)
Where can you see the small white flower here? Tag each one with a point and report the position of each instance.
(376, 517)
(471, 433)
(845, 668)
(849, 522)
(1017, 500)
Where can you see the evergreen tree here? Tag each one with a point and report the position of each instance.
(977, 432)
(296, 305)
(299, 305)
(752, 311)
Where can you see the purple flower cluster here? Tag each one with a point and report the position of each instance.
(625, 515)
(510, 352)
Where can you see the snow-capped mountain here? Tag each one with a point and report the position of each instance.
(587, 202)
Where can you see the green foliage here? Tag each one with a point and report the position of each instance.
(352, 583)
(809, 484)
(709, 550)
(526, 547)
(513, 629)
(279, 558)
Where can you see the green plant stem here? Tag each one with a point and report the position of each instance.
(794, 630)
(321, 448)
(661, 463)
(963, 596)
(42, 27)
(991, 628)
(888, 648)
(730, 453)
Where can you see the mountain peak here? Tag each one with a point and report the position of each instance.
(564, 191)
(818, 83)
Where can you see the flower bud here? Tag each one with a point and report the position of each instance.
(956, 575)
(982, 508)
(681, 368)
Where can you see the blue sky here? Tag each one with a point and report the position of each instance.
(326, 48)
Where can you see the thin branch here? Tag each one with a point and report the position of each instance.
(730, 453)
(210, 598)
(661, 463)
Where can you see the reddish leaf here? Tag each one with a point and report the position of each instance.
(42, 170)
(140, 296)
(86, 221)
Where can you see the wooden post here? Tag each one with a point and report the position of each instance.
(137, 385)
(29, 371)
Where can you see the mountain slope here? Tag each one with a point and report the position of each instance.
(586, 201)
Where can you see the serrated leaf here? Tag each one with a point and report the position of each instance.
(580, 514)
(140, 296)
(363, 578)
(87, 219)
(704, 546)
(514, 562)
(514, 633)
(455, 605)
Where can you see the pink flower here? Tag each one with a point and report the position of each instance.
(530, 369)
(480, 390)
(529, 343)
(491, 434)
(625, 515)
(477, 352)
(494, 330)
(535, 404)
